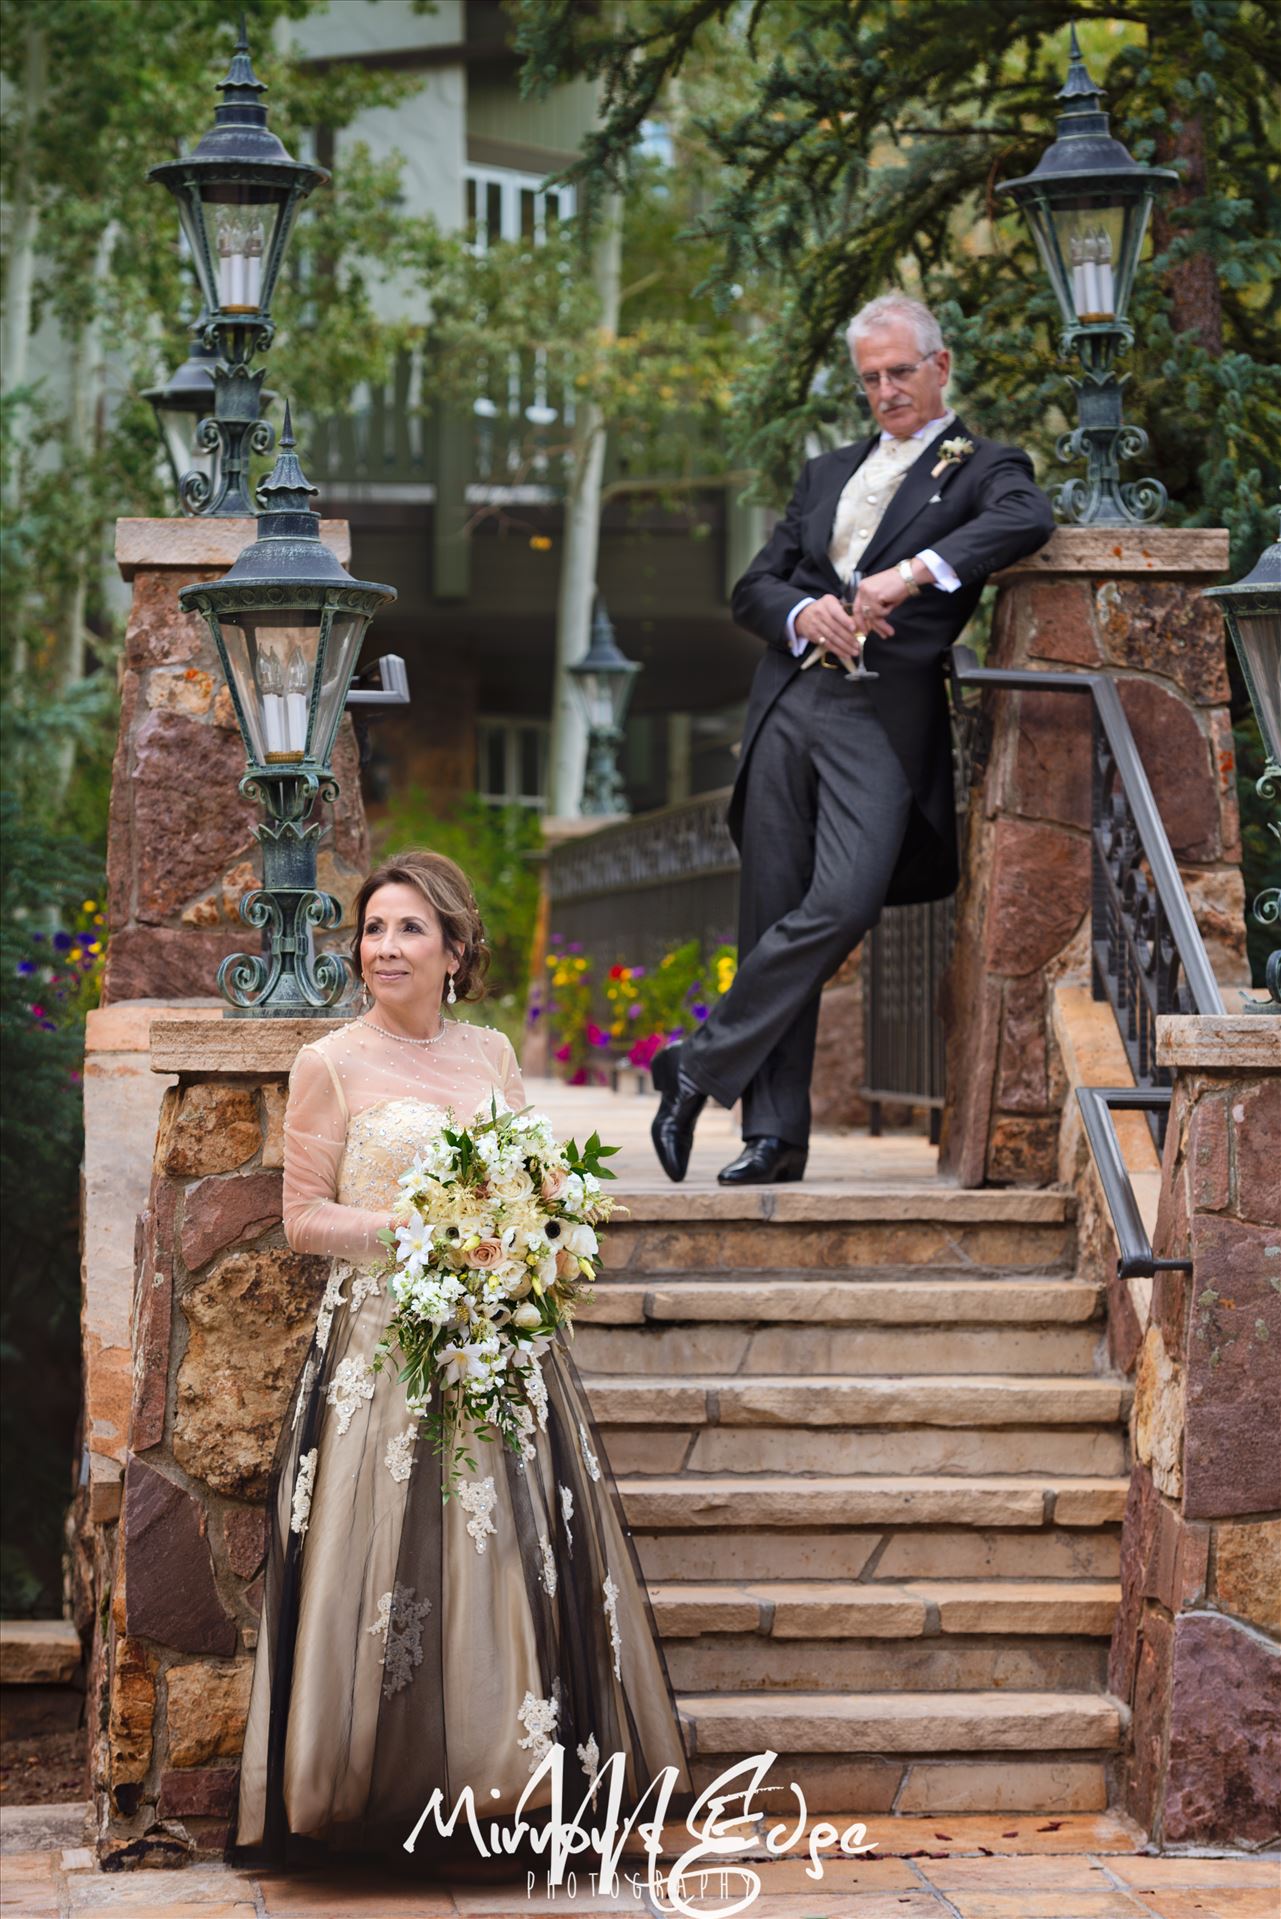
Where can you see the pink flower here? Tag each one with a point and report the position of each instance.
(596, 1035)
(563, 1052)
(486, 1256)
(553, 1184)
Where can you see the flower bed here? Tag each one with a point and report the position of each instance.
(600, 1015)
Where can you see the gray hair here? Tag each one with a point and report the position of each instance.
(889, 308)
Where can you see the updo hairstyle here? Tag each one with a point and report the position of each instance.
(444, 886)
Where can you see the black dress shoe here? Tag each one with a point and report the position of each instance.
(673, 1128)
(765, 1161)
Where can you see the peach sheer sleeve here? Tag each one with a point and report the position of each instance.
(513, 1087)
(315, 1136)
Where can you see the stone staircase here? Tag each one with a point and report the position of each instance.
(874, 1468)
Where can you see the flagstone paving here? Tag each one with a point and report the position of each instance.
(1075, 1867)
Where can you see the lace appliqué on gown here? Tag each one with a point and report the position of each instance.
(300, 1515)
(477, 1497)
(611, 1613)
(399, 1456)
(539, 1717)
(400, 1622)
(589, 1458)
(334, 1297)
(566, 1514)
(353, 1381)
(549, 1574)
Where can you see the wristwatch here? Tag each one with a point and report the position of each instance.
(906, 574)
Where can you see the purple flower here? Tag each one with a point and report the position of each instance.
(639, 972)
(535, 1013)
(48, 1025)
(62, 941)
(555, 939)
(700, 1011)
(634, 1010)
(26, 966)
(575, 946)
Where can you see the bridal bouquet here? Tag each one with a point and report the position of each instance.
(495, 1244)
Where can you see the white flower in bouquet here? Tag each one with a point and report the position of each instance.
(495, 1235)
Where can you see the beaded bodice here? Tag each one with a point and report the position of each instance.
(381, 1144)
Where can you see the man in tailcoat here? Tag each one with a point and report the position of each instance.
(843, 801)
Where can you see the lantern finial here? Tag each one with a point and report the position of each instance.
(242, 83)
(1078, 82)
(287, 488)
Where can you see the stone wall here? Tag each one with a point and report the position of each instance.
(1127, 603)
(180, 853)
(222, 1312)
(1197, 1648)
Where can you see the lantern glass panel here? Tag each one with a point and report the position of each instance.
(596, 693)
(178, 431)
(240, 225)
(272, 656)
(341, 652)
(1098, 239)
(1258, 638)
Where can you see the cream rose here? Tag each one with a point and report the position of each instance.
(512, 1186)
(566, 1264)
(553, 1184)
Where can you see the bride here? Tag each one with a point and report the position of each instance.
(410, 1643)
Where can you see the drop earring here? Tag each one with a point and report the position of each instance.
(366, 997)
(451, 996)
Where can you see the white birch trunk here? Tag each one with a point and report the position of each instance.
(20, 261)
(577, 589)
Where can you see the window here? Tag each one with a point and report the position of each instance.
(511, 762)
(513, 406)
(502, 205)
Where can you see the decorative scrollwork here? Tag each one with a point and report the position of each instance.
(262, 437)
(194, 491)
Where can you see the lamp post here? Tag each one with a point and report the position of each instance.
(238, 194)
(1252, 609)
(1088, 203)
(603, 680)
(288, 622)
(183, 401)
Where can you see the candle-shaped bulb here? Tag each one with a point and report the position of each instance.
(297, 682)
(254, 243)
(271, 682)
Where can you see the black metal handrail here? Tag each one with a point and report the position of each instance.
(1136, 1259)
(1147, 952)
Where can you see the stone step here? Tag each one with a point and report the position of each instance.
(741, 1662)
(779, 1501)
(805, 1348)
(901, 1722)
(928, 1400)
(841, 1231)
(1090, 1450)
(38, 1652)
(830, 1551)
(816, 1609)
(889, 1298)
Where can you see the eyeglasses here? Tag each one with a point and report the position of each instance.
(895, 375)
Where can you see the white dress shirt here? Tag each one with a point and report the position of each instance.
(943, 576)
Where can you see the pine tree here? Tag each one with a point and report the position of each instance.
(861, 141)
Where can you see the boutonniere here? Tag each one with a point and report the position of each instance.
(951, 453)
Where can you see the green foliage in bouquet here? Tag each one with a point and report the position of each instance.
(495, 1248)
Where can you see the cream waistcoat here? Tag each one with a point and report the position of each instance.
(866, 496)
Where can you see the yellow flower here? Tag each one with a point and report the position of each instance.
(540, 543)
(89, 906)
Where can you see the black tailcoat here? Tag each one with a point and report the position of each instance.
(980, 514)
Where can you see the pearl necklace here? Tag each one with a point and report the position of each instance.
(408, 1038)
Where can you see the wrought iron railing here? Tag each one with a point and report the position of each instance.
(632, 890)
(1148, 957)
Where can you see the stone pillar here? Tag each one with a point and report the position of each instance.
(180, 854)
(222, 1313)
(1124, 602)
(1196, 1652)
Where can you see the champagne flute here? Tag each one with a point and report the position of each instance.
(856, 671)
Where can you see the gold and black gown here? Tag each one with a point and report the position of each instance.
(409, 1643)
